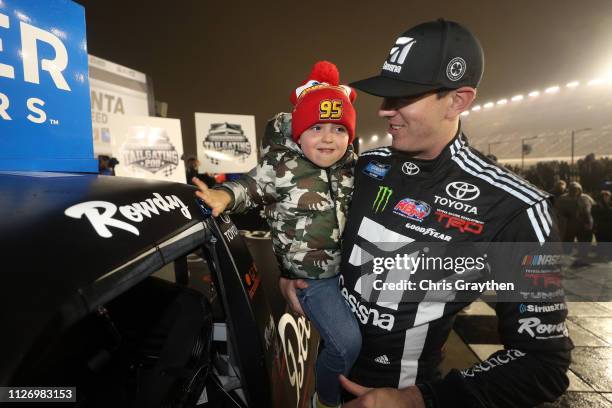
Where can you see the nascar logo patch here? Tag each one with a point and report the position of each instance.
(376, 170)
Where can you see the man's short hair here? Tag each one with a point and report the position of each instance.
(441, 93)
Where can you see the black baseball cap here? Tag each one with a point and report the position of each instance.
(434, 55)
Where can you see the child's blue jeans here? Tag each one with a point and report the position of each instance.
(328, 311)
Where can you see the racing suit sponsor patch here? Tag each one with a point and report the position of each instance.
(542, 331)
(382, 199)
(463, 224)
(376, 170)
(412, 209)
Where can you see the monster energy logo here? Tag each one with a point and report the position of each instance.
(382, 198)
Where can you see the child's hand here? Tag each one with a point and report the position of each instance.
(217, 200)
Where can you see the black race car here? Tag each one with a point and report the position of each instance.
(80, 306)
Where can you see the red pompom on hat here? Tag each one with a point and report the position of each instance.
(320, 99)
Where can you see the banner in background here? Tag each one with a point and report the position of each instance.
(226, 143)
(147, 147)
(118, 90)
(45, 119)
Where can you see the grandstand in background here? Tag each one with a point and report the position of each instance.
(546, 118)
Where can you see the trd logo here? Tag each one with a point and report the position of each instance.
(30, 35)
(382, 199)
(462, 225)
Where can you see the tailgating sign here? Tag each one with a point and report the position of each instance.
(45, 117)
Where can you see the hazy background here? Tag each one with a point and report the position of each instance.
(245, 57)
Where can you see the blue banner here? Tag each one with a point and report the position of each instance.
(45, 115)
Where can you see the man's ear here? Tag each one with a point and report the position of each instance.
(462, 99)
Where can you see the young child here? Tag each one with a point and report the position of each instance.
(305, 182)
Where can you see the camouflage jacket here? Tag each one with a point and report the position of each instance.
(305, 205)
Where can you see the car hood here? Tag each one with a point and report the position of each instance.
(71, 242)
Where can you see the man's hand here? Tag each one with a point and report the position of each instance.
(217, 200)
(287, 288)
(382, 397)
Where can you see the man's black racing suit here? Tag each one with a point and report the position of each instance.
(459, 197)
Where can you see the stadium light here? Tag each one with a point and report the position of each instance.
(595, 81)
(516, 98)
(476, 108)
(502, 102)
(572, 84)
(552, 90)
(465, 113)
(488, 105)
(374, 138)
(534, 93)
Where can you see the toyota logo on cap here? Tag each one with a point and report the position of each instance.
(410, 168)
(225, 218)
(462, 191)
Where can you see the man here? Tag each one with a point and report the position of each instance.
(576, 221)
(558, 190)
(430, 186)
(602, 218)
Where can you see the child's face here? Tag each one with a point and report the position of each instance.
(324, 143)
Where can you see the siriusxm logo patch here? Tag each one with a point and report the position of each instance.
(376, 170)
(523, 308)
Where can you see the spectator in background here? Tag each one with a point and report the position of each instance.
(106, 165)
(103, 165)
(602, 217)
(193, 165)
(575, 219)
(558, 190)
(112, 162)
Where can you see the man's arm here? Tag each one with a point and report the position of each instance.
(532, 367)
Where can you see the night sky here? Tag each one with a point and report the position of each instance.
(245, 57)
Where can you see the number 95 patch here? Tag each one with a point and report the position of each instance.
(330, 109)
